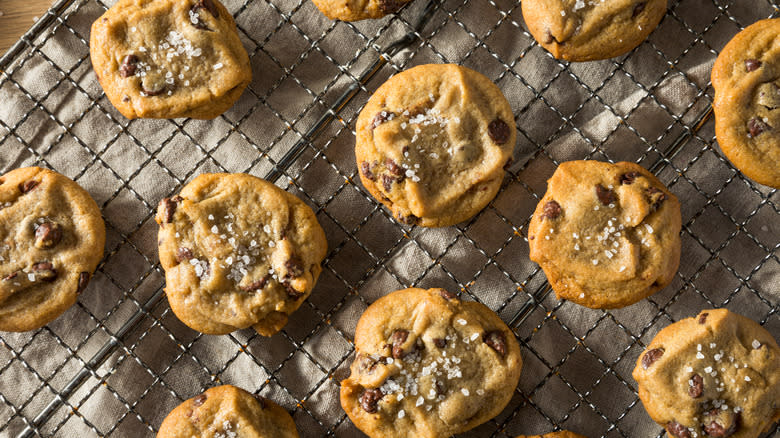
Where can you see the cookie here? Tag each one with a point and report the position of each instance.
(51, 240)
(237, 252)
(169, 58)
(606, 235)
(432, 143)
(715, 375)
(588, 30)
(429, 365)
(226, 411)
(561, 434)
(746, 78)
(355, 10)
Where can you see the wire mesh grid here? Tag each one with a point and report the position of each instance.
(119, 360)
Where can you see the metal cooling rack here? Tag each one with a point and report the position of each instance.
(118, 361)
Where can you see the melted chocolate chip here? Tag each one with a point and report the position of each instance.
(291, 292)
(168, 208)
(628, 178)
(551, 210)
(207, 5)
(28, 186)
(752, 64)
(605, 195)
(184, 254)
(657, 197)
(720, 423)
(408, 220)
(496, 340)
(129, 66)
(47, 235)
(447, 295)
(366, 170)
(638, 8)
(199, 400)
(256, 285)
(44, 271)
(695, 386)
(83, 282)
(439, 342)
(394, 168)
(381, 117)
(366, 364)
(499, 131)
(651, 356)
(387, 182)
(757, 127)
(399, 337)
(703, 318)
(370, 398)
(677, 430)
(293, 267)
(390, 6)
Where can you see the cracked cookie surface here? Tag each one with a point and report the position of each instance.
(51, 240)
(746, 78)
(228, 412)
(429, 365)
(169, 59)
(432, 143)
(588, 30)
(606, 235)
(237, 252)
(713, 375)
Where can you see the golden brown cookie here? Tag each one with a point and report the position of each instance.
(169, 58)
(606, 235)
(432, 143)
(429, 365)
(746, 78)
(51, 240)
(561, 434)
(354, 10)
(588, 30)
(715, 375)
(228, 412)
(237, 252)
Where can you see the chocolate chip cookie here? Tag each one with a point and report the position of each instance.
(228, 412)
(429, 365)
(355, 10)
(169, 58)
(561, 434)
(237, 252)
(606, 235)
(51, 240)
(588, 30)
(432, 143)
(715, 375)
(746, 78)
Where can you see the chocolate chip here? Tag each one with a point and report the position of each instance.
(408, 219)
(168, 207)
(638, 8)
(703, 318)
(11, 276)
(752, 64)
(548, 37)
(183, 254)
(498, 131)
(695, 386)
(657, 197)
(439, 342)
(387, 182)
(292, 292)
(129, 66)
(628, 178)
(720, 423)
(551, 210)
(651, 356)
(153, 83)
(366, 364)
(440, 388)
(394, 168)
(257, 285)
(48, 234)
(370, 398)
(28, 186)
(199, 400)
(381, 117)
(757, 126)
(293, 267)
(83, 281)
(605, 195)
(390, 6)
(677, 430)
(447, 295)
(202, 4)
(496, 340)
(366, 169)
(399, 337)
(44, 271)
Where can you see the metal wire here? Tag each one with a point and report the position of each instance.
(306, 148)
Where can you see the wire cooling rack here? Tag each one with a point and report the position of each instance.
(119, 360)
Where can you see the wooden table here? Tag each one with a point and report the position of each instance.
(17, 18)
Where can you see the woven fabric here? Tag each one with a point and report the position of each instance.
(578, 362)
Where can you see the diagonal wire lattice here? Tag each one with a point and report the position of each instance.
(118, 361)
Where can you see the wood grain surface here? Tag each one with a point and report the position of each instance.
(17, 17)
